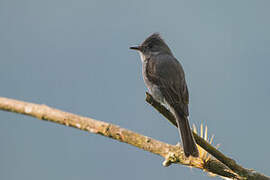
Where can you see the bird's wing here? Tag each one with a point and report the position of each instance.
(166, 72)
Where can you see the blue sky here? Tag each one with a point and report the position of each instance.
(73, 55)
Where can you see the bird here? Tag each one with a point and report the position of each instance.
(164, 78)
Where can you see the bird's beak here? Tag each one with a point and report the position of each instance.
(137, 48)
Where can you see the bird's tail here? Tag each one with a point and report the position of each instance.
(190, 148)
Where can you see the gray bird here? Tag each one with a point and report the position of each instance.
(165, 79)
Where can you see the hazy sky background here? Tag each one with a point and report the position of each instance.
(73, 55)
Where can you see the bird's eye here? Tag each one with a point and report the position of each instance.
(150, 46)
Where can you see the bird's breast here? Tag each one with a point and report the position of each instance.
(152, 88)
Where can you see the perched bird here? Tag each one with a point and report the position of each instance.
(165, 79)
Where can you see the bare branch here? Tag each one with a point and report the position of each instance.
(171, 153)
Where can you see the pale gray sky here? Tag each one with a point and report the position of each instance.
(73, 55)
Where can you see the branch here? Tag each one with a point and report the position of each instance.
(230, 163)
(171, 153)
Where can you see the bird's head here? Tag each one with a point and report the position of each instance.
(153, 45)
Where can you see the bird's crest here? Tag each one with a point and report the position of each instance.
(154, 38)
